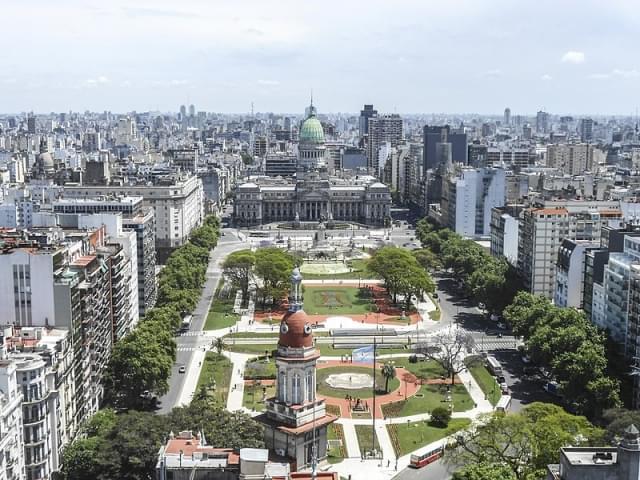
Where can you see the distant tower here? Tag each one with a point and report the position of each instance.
(295, 419)
(507, 116)
(192, 110)
(183, 111)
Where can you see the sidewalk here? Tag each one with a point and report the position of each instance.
(236, 385)
(350, 438)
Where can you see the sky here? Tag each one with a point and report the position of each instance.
(404, 56)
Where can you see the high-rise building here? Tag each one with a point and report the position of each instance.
(573, 159)
(468, 198)
(183, 112)
(192, 110)
(542, 123)
(365, 114)
(31, 124)
(11, 439)
(543, 229)
(432, 135)
(586, 129)
(507, 117)
(382, 129)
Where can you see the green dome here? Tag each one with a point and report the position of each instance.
(311, 131)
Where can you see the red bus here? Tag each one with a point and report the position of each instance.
(419, 461)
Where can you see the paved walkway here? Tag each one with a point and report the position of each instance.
(236, 385)
(396, 395)
(350, 439)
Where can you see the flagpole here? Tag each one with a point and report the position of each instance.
(373, 414)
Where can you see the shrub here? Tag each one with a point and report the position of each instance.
(440, 417)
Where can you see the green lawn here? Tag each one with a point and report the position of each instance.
(425, 370)
(407, 438)
(358, 270)
(253, 395)
(221, 311)
(337, 453)
(366, 437)
(215, 375)
(259, 369)
(337, 301)
(428, 398)
(325, 389)
(485, 380)
(250, 348)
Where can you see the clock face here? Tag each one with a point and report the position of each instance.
(284, 328)
(307, 329)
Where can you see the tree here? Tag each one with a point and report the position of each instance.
(484, 471)
(616, 421)
(427, 259)
(273, 267)
(440, 417)
(525, 442)
(388, 372)
(238, 267)
(448, 349)
(525, 310)
(126, 449)
(219, 345)
(138, 363)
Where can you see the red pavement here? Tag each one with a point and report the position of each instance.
(380, 298)
(395, 396)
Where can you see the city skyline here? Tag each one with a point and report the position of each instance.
(405, 57)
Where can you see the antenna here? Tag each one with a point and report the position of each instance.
(311, 97)
(252, 110)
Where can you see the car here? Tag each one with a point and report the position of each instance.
(481, 306)
(501, 379)
(435, 295)
(494, 317)
(504, 388)
(502, 326)
(223, 234)
(525, 359)
(182, 369)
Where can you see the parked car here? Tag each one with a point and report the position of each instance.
(502, 326)
(435, 295)
(481, 306)
(182, 369)
(494, 317)
(504, 388)
(526, 359)
(552, 388)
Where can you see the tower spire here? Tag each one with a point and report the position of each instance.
(312, 98)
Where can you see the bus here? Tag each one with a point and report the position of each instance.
(186, 323)
(259, 234)
(504, 403)
(419, 461)
(494, 366)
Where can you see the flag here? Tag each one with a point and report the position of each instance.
(363, 354)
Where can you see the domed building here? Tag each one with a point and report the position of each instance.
(313, 195)
(295, 419)
(43, 166)
(311, 148)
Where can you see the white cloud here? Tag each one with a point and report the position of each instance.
(546, 77)
(616, 73)
(94, 82)
(573, 56)
(493, 73)
(271, 83)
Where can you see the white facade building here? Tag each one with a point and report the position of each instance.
(469, 196)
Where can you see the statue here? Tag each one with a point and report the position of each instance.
(296, 222)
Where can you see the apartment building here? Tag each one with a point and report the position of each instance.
(11, 441)
(468, 198)
(570, 268)
(382, 129)
(177, 200)
(504, 231)
(572, 159)
(542, 231)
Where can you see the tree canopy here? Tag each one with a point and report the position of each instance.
(238, 267)
(524, 442)
(570, 347)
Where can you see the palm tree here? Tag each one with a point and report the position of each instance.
(388, 372)
(219, 345)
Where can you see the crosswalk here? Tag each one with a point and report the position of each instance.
(495, 343)
(192, 348)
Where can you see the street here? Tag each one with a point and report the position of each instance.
(187, 344)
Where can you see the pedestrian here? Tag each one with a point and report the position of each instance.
(388, 463)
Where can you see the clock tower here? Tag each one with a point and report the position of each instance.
(296, 419)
